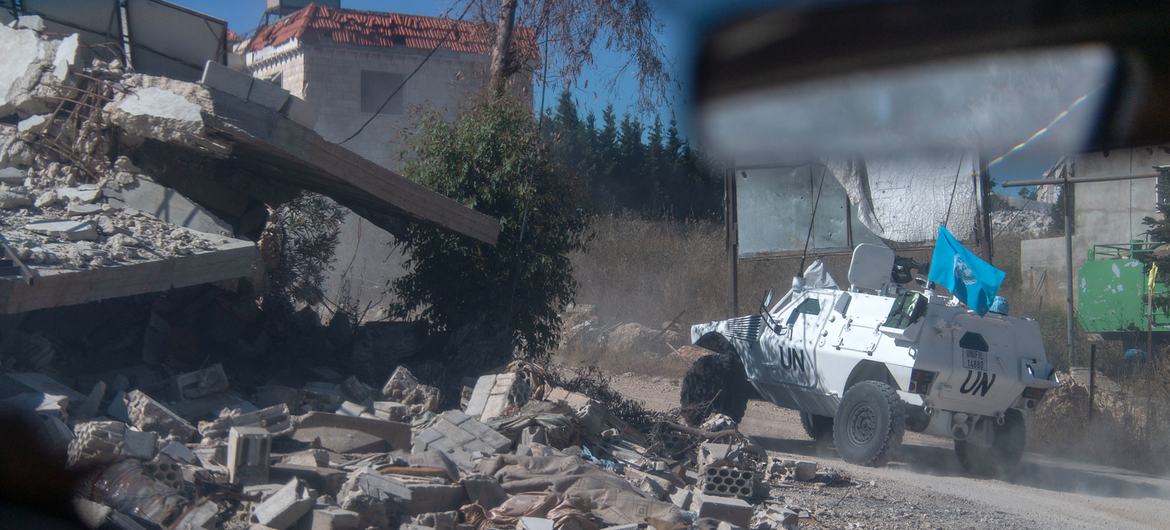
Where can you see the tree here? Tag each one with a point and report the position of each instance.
(494, 160)
(570, 30)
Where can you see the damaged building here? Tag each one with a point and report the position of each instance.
(136, 211)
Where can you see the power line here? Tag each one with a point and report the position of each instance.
(440, 44)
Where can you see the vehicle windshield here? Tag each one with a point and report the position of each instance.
(503, 263)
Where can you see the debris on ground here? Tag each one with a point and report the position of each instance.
(547, 457)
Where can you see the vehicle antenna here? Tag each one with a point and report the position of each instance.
(811, 222)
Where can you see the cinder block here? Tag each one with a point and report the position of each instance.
(249, 449)
(268, 94)
(333, 518)
(225, 79)
(728, 482)
(285, 507)
(734, 511)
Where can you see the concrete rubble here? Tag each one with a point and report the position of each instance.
(536, 465)
(209, 446)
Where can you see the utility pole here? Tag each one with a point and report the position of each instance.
(1066, 182)
(731, 227)
(501, 52)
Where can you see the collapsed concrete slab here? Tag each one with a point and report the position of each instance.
(285, 507)
(454, 431)
(347, 434)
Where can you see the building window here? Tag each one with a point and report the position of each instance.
(376, 87)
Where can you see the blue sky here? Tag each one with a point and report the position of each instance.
(592, 91)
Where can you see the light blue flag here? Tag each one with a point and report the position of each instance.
(964, 274)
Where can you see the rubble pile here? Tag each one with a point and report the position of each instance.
(1023, 222)
(68, 199)
(585, 336)
(521, 452)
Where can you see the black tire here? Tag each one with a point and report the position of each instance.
(869, 424)
(714, 383)
(1003, 457)
(818, 428)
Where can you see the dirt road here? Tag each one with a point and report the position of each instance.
(925, 487)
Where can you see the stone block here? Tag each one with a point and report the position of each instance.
(201, 516)
(285, 507)
(496, 395)
(805, 470)
(333, 518)
(225, 79)
(202, 383)
(728, 509)
(268, 94)
(249, 449)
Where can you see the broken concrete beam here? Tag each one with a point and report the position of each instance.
(101, 442)
(729, 509)
(67, 230)
(455, 431)
(428, 497)
(333, 518)
(225, 79)
(323, 479)
(149, 415)
(248, 453)
(268, 94)
(345, 434)
(202, 383)
(285, 507)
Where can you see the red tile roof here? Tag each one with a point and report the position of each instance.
(317, 23)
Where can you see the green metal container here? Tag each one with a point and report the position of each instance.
(1112, 290)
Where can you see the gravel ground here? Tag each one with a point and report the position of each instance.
(925, 487)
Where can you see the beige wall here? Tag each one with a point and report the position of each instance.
(329, 77)
(1103, 213)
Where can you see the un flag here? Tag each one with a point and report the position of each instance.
(964, 274)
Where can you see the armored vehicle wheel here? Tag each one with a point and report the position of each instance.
(817, 427)
(715, 383)
(1007, 447)
(869, 424)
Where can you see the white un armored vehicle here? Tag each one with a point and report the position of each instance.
(864, 364)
